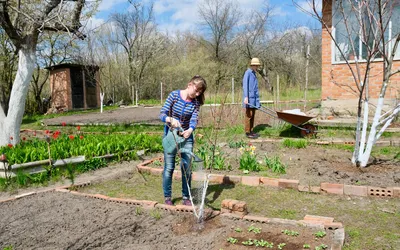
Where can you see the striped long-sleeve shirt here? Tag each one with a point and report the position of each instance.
(185, 112)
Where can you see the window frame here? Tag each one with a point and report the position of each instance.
(334, 49)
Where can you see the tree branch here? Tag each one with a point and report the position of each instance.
(6, 23)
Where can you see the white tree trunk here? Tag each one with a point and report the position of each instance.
(101, 102)
(10, 125)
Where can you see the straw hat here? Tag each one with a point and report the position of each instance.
(255, 61)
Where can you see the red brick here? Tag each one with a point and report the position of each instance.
(225, 203)
(100, 196)
(240, 206)
(62, 190)
(266, 181)
(183, 208)
(291, 184)
(157, 171)
(144, 169)
(355, 190)
(232, 179)
(333, 225)
(198, 176)
(226, 210)
(231, 215)
(315, 189)
(251, 180)
(216, 178)
(332, 188)
(256, 219)
(322, 219)
(165, 207)
(232, 203)
(396, 192)
(380, 191)
(6, 200)
(241, 214)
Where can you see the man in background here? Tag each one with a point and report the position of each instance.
(251, 98)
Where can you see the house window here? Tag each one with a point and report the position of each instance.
(346, 16)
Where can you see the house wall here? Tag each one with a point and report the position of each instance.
(60, 89)
(337, 80)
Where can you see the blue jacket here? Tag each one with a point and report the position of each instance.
(250, 89)
(185, 112)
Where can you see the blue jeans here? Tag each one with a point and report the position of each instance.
(169, 166)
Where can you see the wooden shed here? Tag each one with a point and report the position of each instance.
(74, 86)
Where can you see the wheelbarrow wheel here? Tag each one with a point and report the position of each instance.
(308, 130)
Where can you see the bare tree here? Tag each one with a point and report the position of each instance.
(366, 35)
(254, 39)
(219, 17)
(136, 33)
(23, 21)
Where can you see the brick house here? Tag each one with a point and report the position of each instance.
(334, 68)
(74, 86)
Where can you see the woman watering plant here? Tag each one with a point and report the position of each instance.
(180, 113)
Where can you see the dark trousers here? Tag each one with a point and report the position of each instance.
(249, 119)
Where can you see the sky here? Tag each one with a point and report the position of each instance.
(182, 15)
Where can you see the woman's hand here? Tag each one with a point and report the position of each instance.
(187, 133)
(174, 122)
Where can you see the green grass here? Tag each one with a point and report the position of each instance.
(367, 225)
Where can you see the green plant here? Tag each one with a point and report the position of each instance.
(232, 240)
(71, 173)
(22, 178)
(306, 246)
(248, 159)
(290, 143)
(281, 245)
(8, 248)
(254, 229)
(320, 234)
(248, 242)
(156, 214)
(238, 230)
(236, 144)
(321, 247)
(290, 232)
(138, 210)
(275, 165)
(261, 243)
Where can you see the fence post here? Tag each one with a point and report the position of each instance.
(161, 99)
(233, 90)
(306, 87)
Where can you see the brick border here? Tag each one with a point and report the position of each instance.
(248, 180)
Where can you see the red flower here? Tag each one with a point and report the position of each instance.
(63, 124)
(9, 145)
(81, 137)
(23, 138)
(47, 132)
(71, 137)
(55, 136)
(57, 132)
(78, 128)
(11, 138)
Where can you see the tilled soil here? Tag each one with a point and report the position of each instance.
(56, 220)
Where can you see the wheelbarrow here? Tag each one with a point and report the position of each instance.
(296, 120)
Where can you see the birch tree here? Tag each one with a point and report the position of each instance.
(368, 41)
(24, 21)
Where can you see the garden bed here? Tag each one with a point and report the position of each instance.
(58, 220)
(311, 165)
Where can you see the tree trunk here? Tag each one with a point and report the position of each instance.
(10, 125)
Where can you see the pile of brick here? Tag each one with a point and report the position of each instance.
(234, 206)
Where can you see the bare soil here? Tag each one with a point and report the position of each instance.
(55, 220)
